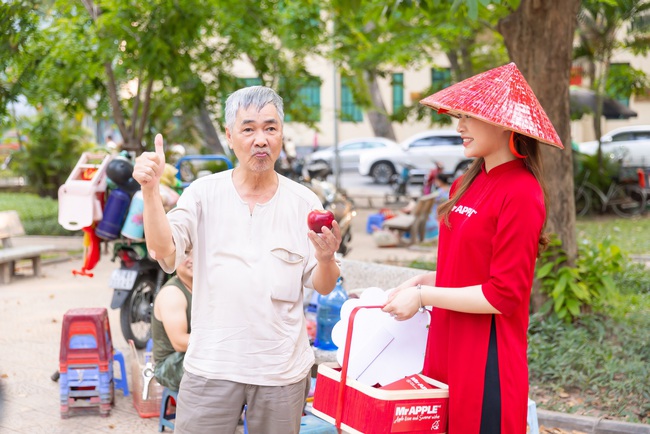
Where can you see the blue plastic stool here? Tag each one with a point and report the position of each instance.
(121, 383)
(165, 420)
(374, 222)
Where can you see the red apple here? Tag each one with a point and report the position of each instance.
(316, 219)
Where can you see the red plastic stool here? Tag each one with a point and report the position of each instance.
(86, 361)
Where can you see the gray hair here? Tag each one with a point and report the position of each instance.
(257, 96)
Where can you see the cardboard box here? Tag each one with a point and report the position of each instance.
(371, 410)
(416, 382)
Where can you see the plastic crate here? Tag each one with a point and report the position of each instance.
(149, 407)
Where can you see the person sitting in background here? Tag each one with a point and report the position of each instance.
(110, 144)
(442, 189)
(170, 326)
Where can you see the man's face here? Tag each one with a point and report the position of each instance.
(256, 137)
(185, 271)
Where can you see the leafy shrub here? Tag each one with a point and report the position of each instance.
(39, 215)
(588, 285)
(587, 166)
(634, 278)
(605, 361)
(54, 147)
(422, 265)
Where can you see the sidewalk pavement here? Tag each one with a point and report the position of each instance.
(31, 312)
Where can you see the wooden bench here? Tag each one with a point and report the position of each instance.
(10, 226)
(415, 222)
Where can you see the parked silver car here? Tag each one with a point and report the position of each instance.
(631, 143)
(420, 152)
(349, 152)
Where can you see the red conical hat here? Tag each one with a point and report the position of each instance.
(500, 96)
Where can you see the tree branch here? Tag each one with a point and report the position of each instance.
(145, 110)
(93, 10)
(136, 106)
(118, 116)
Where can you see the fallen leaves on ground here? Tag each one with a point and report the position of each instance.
(544, 430)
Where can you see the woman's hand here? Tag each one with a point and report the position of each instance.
(403, 303)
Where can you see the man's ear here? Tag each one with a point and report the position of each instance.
(229, 137)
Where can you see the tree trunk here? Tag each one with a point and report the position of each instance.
(118, 116)
(381, 125)
(542, 50)
(209, 131)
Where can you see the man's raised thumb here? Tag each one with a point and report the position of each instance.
(160, 151)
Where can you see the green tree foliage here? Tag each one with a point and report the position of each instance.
(470, 45)
(162, 66)
(18, 25)
(54, 147)
(372, 39)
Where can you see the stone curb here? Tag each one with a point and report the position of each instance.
(590, 425)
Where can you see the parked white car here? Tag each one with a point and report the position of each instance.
(349, 152)
(420, 152)
(631, 143)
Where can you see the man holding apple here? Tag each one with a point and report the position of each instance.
(253, 253)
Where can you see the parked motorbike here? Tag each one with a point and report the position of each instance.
(135, 284)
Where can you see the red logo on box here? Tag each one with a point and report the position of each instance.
(409, 418)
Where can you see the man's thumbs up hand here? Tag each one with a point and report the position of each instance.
(149, 166)
(160, 152)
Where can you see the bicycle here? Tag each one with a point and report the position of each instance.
(626, 200)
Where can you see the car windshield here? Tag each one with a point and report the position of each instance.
(434, 141)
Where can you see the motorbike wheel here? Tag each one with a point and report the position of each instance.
(343, 247)
(135, 313)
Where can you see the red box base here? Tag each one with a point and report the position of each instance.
(378, 411)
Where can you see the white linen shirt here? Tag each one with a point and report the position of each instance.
(248, 323)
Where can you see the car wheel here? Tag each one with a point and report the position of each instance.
(382, 172)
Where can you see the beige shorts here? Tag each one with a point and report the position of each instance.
(214, 406)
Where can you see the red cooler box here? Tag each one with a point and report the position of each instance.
(366, 409)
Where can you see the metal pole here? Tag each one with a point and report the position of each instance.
(337, 159)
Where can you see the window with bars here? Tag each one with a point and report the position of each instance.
(398, 92)
(440, 79)
(308, 99)
(350, 110)
(618, 83)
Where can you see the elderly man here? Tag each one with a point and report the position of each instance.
(253, 255)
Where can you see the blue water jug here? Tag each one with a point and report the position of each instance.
(328, 314)
(115, 211)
